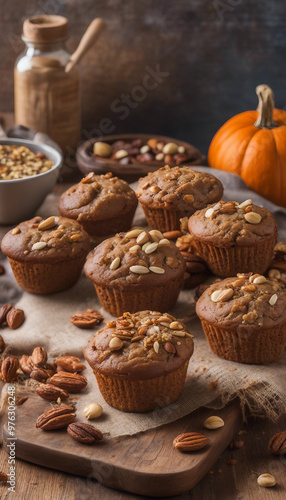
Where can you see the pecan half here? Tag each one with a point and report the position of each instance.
(87, 319)
(51, 392)
(15, 318)
(39, 356)
(56, 418)
(3, 312)
(9, 368)
(84, 433)
(26, 364)
(39, 374)
(71, 382)
(2, 344)
(190, 441)
(277, 444)
(70, 364)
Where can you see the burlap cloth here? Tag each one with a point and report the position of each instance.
(210, 381)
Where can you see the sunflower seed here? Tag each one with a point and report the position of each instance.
(139, 269)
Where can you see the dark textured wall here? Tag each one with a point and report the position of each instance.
(212, 54)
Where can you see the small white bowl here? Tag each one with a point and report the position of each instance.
(20, 198)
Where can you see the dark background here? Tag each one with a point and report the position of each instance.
(214, 51)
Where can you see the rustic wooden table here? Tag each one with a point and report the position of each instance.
(232, 478)
(225, 481)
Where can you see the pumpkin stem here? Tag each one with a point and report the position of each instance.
(265, 107)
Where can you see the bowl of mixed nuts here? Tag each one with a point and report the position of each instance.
(28, 172)
(130, 156)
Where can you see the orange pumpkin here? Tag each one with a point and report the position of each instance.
(253, 145)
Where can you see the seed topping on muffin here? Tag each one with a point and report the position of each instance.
(147, 243)
(244, 209)
(168, 186)
(152, 329)
(55, 232)
(252, 294)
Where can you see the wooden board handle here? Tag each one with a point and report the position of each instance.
(89, 38)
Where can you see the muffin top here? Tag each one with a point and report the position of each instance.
(139, 257)
(249, 300)
(97, 197)
(179, 187)
(142, 345)
(225, 224)
(53, 239)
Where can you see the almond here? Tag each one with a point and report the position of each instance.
(190, 441)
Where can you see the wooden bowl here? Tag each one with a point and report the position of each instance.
(131, 172)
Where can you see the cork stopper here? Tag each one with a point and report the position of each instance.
(43, 29)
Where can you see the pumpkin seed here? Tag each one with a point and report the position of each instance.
(115, 263)
(139, 269)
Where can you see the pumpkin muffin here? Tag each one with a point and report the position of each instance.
(168, 194)
(101, 203)
(244, 318)
(46, 256)
(140, 360)
(135, 271)
(233, 238)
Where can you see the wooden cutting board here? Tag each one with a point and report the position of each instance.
(145, 464)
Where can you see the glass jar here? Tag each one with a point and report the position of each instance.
(47, 98)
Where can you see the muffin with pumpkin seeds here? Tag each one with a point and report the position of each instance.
(244, 318)
(135, 271)
(169, 194)
(234, 238)
(46, 256)
(140, 360)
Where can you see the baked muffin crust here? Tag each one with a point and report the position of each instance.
(139, 258)
(180, 188)
(225, 224)
(245, 301)
(153, 344)
(35, 241)
(97, 197)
